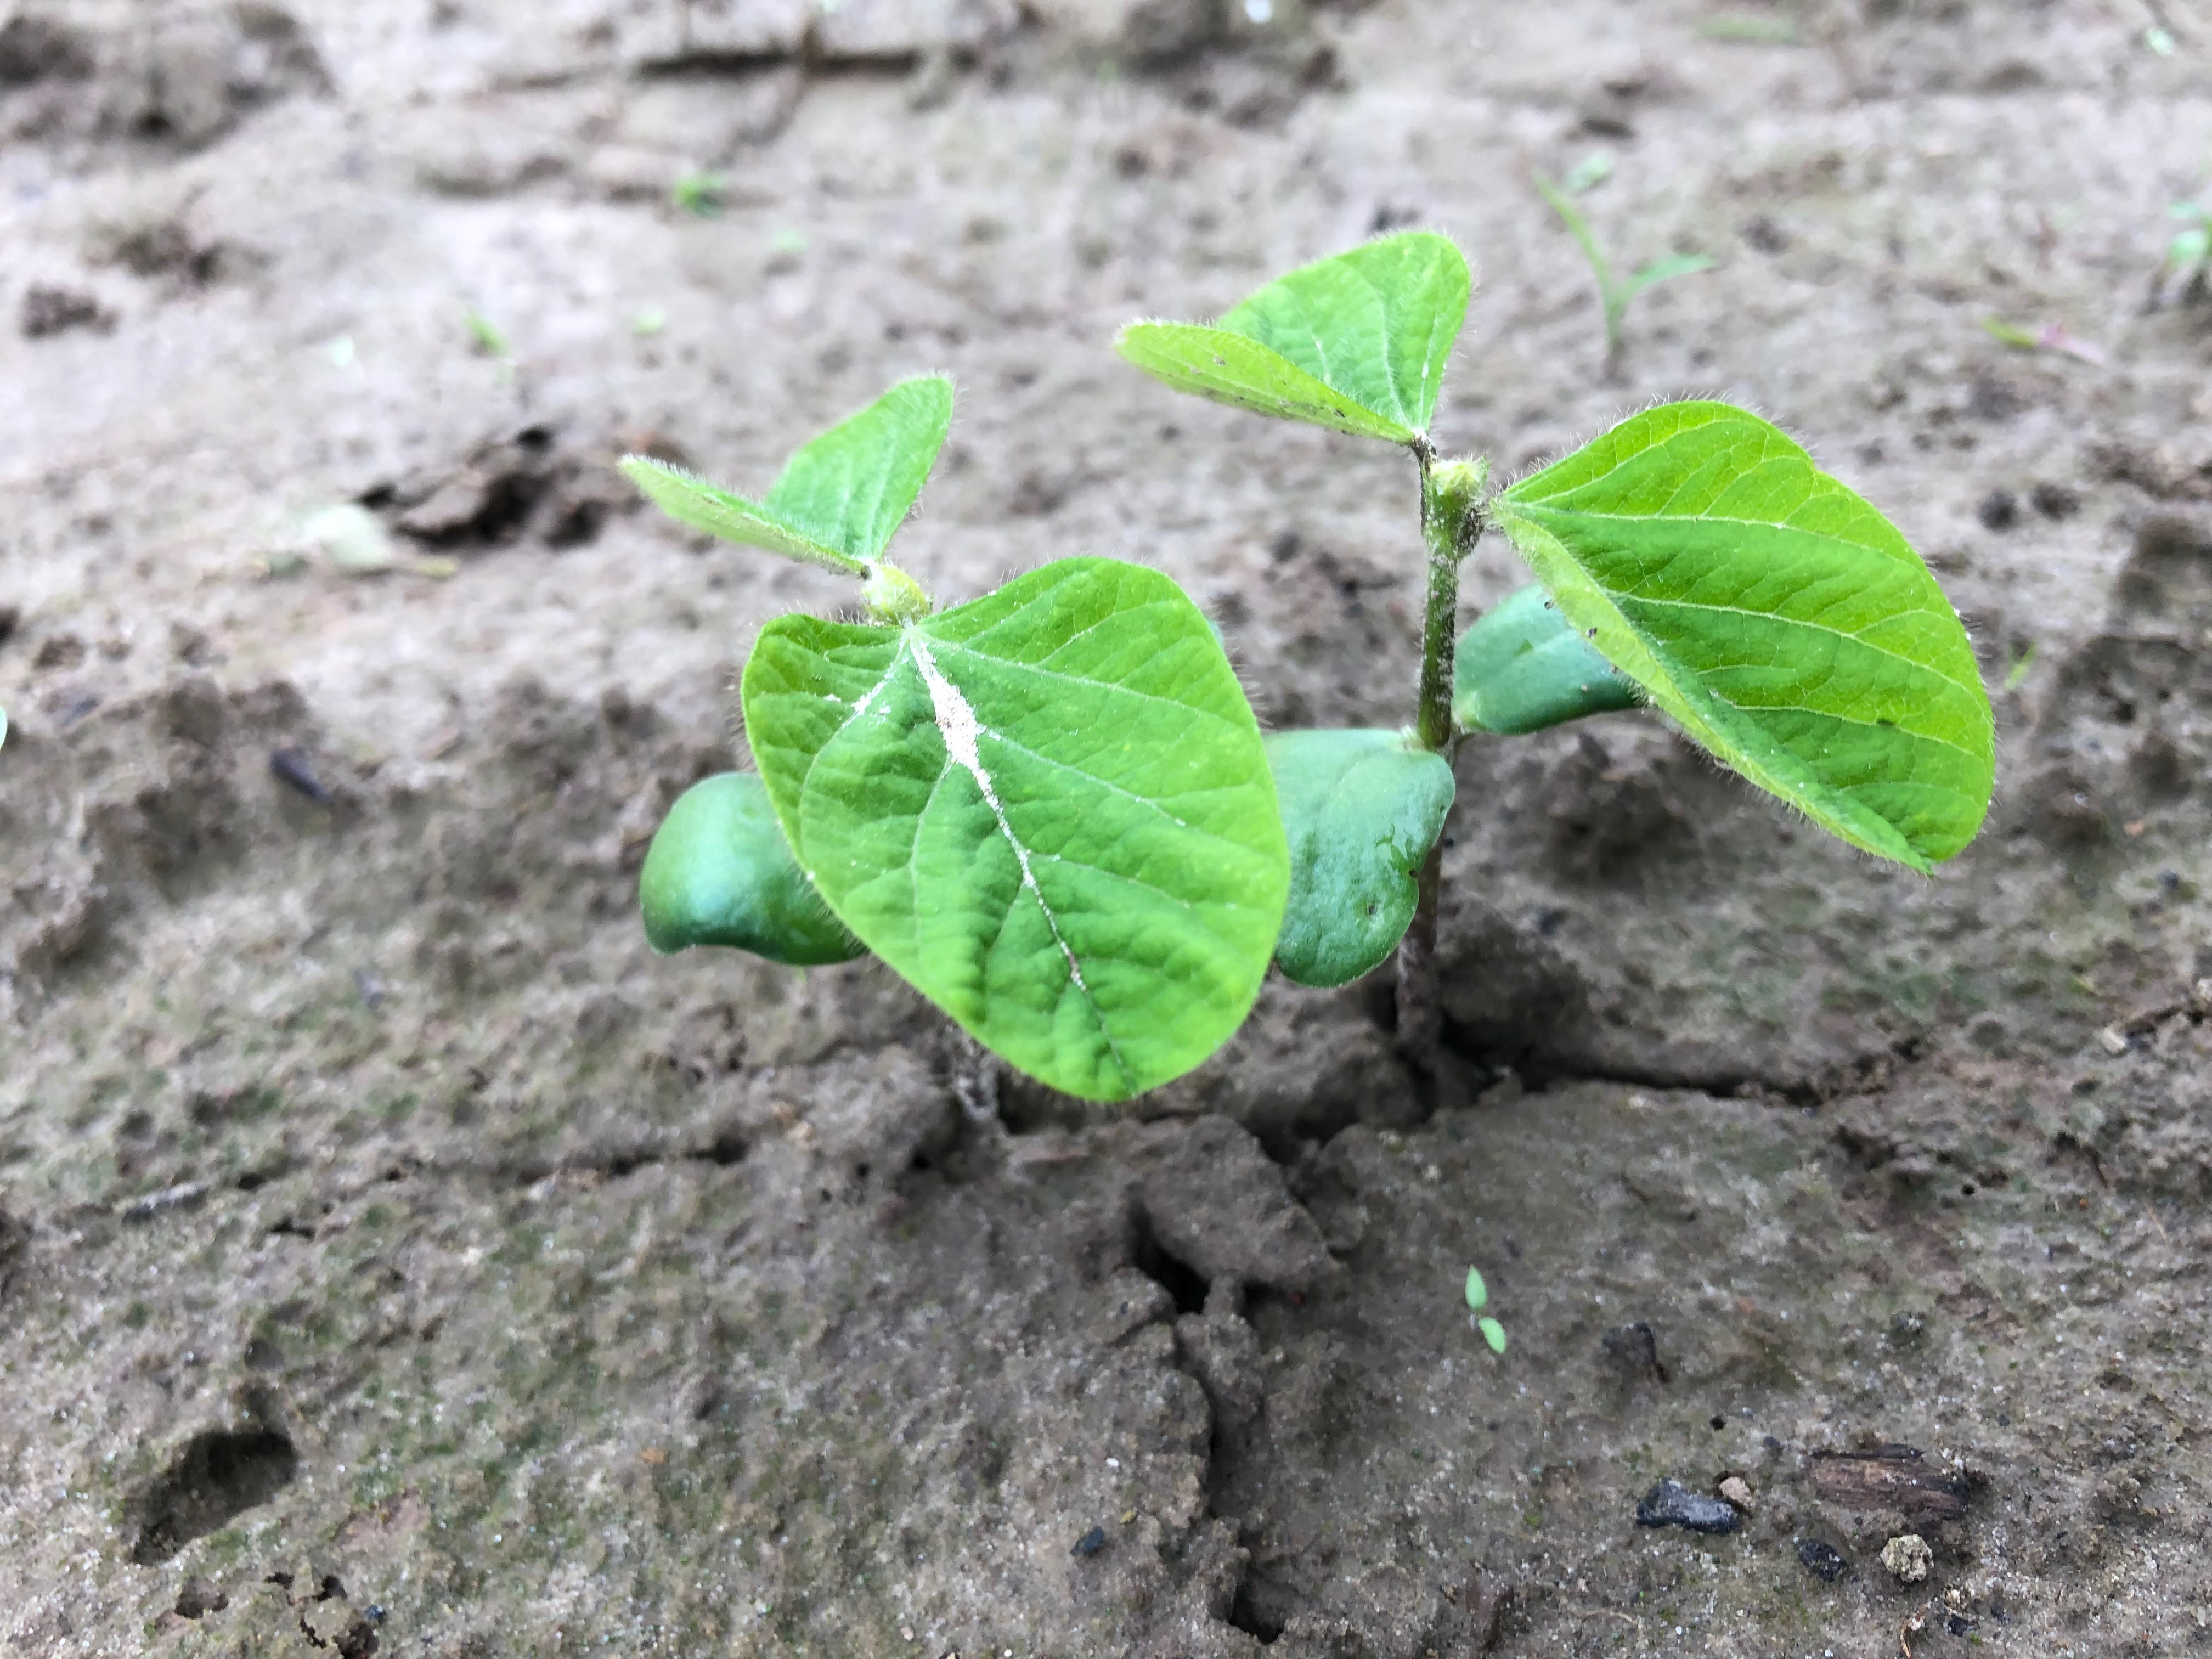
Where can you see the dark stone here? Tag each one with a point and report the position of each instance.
(1823, 1561)
(1090, 1543)
(1671, 1503)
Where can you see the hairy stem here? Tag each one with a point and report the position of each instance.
(1451, 499)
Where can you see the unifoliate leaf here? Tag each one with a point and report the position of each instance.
(851, 488)
(689, 499)
(1356, 342)
(719, 872)
(1049, 809)
(1229, 368)
(840, 499)
(1523, 667)
(1782, 620)
(1361, 810)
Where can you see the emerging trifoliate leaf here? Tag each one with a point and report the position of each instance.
(1361, 810)
(1523, 667)
(719, 872)
(1356, 342)
(1782, 620)
(1049, 809)
(839, 501)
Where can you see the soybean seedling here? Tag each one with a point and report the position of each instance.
(698, 193)
(1051, 810)
(1614, 291)
(1478, 1297)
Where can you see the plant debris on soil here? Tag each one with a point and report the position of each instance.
(395, 1257)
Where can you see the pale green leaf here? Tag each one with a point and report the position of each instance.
(1356, 342)
(1493, 1333)
(1049, 809)
(1664, 270)
(719, 872)
(1229, 368)
(689, 499)
(1478, 1293)
(853, 486)
(1361, 810)
(1778, 618)
(1523, 667)
(841, 499)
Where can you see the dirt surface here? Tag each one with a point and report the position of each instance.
(396, 1258)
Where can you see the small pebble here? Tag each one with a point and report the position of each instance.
(1090, 1543)
(1908, 1557)
(1737, 1491)
(1671, 1503)
(290, 767)
(1823, 1561)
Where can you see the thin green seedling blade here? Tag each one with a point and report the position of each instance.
(1577, 227)
(1049, 809)
(1783, 623)
(1665, 270)
(1523, 667)
(719, 872)
(853, 486)
(1361, 810)
(1356, 342)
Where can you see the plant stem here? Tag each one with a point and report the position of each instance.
(1451, 499)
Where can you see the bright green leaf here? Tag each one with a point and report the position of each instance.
(1523, 667)
(1782, 620)
(1356, 342)
(719, 872)
(689, 499)
(1478, 1293)
(852, 487)
(1361, 810)
(1229, 368)
(840, 500)
(1049, 809)
(1493, 1333)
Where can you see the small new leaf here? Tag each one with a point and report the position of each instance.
(1047, 809)
(1523, 667)
(1361, 810)
(840, 500)
(1356, 342)
(719, 872)
(1779, 619)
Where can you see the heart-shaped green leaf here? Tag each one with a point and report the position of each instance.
(1356, 342)
(1782, 620)
(1361, 810)
(719, 872)
(1523, 667)
(840, 500)
(1049, 809)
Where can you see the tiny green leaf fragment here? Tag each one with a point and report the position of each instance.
(1356, 342)
(840, 500)
(1523, 667)
(1779, 619)
(1049, 809)
(1361, 809)
(1478, 1293)
(1493, 1333)
(719, 872)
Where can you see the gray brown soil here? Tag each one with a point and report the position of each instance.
(395, 1257)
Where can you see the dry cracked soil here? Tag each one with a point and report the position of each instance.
(396, 1258)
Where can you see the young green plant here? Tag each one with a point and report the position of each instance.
(1614, 291)
(1051, 810)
